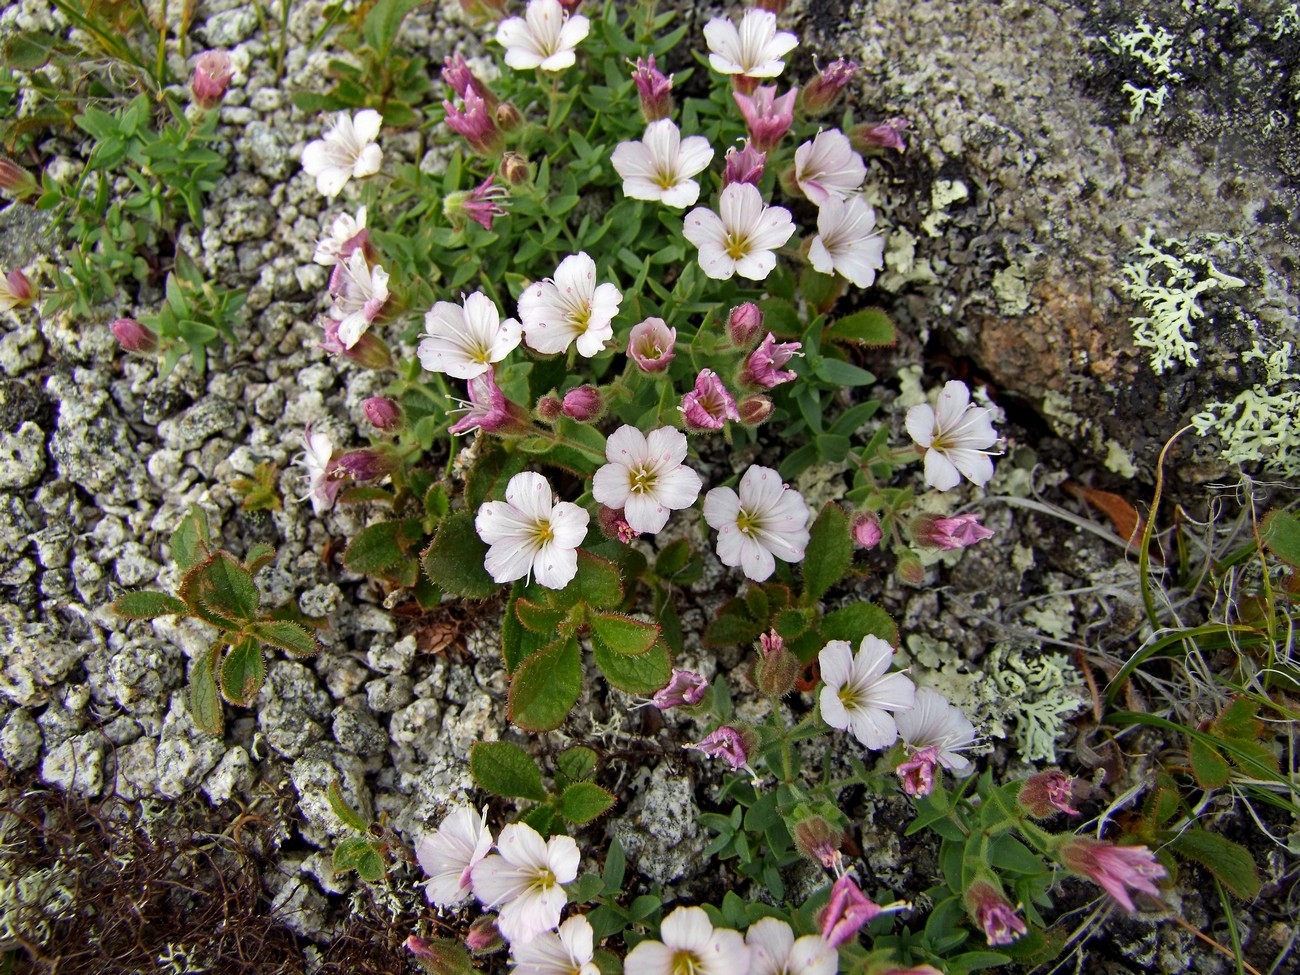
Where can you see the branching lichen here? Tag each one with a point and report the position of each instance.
(1149, 52)
(1260, 424)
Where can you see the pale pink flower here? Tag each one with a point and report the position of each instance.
(483, 203)
(993, 913)
(660, 166)
(543, 38)
(859, 694)
(347, 151)
(360, 293)
(957, 438)
(487, 410)
(569, 308)
(1117, 869)
(959, 531)
(917, 771)
(655, 90)
(775, 951)
(212, 74)
(532, 534)
(821, 93)
(765, 521)
(875, 136)
(708, 406)
(568, 951)
(646, 476)
(743, 239)
(754, 50)
(448, 855)
(763, 368)
(317, 460)
(744, 165)
(933, 722)
(691, 944)
(827, 167)
(347, 234)
(476, 122)
(465, 340)
(15, 291)
(849, 909)
(846, 243)
(650, 345)
(524, 879)
(767, 117)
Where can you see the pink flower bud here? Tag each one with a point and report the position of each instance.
(550, 408)
(383, 413)
(650, 345)
(655, 90)
(1048, 793)
(744, 165)
(728, 744)
(774, 6)
(846, 914)
(959, 531)
(583, 404)
(917, 772)
(488, 409)
(910, 569)
(993, 913)
(514, 168)
(613, 524)
(764, 365)
(456, 73)
(1117, 869)
(212, 72)
(484, 937)
(866, 531)
(819, 841)
(754, 409)
(476, 122)
(777, 668)
(684, 687)
(16, 181)
(820, 94)
(708, 406)
(15, 291)
(767, 117)
(508, 118)
(876, 137)
(744, 323)
(133, 336)
(367, 464)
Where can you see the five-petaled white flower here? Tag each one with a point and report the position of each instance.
(645, 476)
(957, 438)
(690, 946)
(347, 233)
(765, 521)
(524, 879)
(859, 695)
(568, 951)
(448, 855)
(543, 38)
(828, 167)
(741, 240)
(774, 951)
(933, 722)
(755, 50)
(360, 293)
(347, 151)
(661, 165)
(530, 532)
(846, 242)
(464, 340)
(569, 307)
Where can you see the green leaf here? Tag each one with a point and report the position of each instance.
(384, 22)
(147, 604)
(505, 769)
(1210, 768)
(871, 326)
(286, 635)
(539, 618)
(258, 555)
(597, 582)
(641, 675)
(577, 763)
(359, 854)
(221, 591)
(857, 620)
(454, 559)
(29, 50)
(242, 672)
(674, 557)
(733, 626)
(191, 541)
(546, 686)
(346, 814)
(1008, 853)
(623, 634)
(1280, 531)
(1230, 862)
(830, 551)
(205, 696)
(584, 801)
(382, 545)
(615, 868)
(839, 373)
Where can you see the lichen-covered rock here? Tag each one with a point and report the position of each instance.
(137, 769)
(358, 733)
(22, 456)
(312, 775)
(661, 830)
(20, 740)
(292, 709)
(76, 765)
(233, 776)
(36, 659)
(185, 754)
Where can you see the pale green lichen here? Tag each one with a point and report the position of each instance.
(1149, 53)
(1262, 423)
(1012, 289)
(1169, 280)
(1118, 460)
(943, 193)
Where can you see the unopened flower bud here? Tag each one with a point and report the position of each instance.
(613, 524)
(744, 323)
(508, 117)
(583, 404)
(650, 345)
(820, 94)
(655, 90)
(876, 137)
(515, 169)
(212, 73)
(754, 409)
(819, 841)
(866, 531)
(484, 937)
(15, 291)
(948, 534)
(133, 336)
(910, 569)
(367, 464)
(382, 412)
(917, 771)
(16, 181)
(777, 668)
(484, 9)
(1048, 793)
(550, 408)
(456, 73)
(370, 352)
(744, 165)
(442, 956)
(846, 914)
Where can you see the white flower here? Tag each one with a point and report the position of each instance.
(766, 519)
(690, 945)
(360, 292)
(742, 239)
(530, 533)
(318, 452)
(845, 241)
(645, 476)
(957, 438)
(934, 722)
(828, 167)
(774, 951)
(660, 166)
(569, 307)
(449, 854)
(755, 50)
(348, 150)
(524, 879)
(566, 952)
(464, 341)
(859, 695)
(542, 38)
(342, 239)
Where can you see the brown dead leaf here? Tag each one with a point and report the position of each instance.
(1128, 524)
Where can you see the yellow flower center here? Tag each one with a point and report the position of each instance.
(642, 481)
(746, 523)
(685, 963)
(736, 247)
(543, 534)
